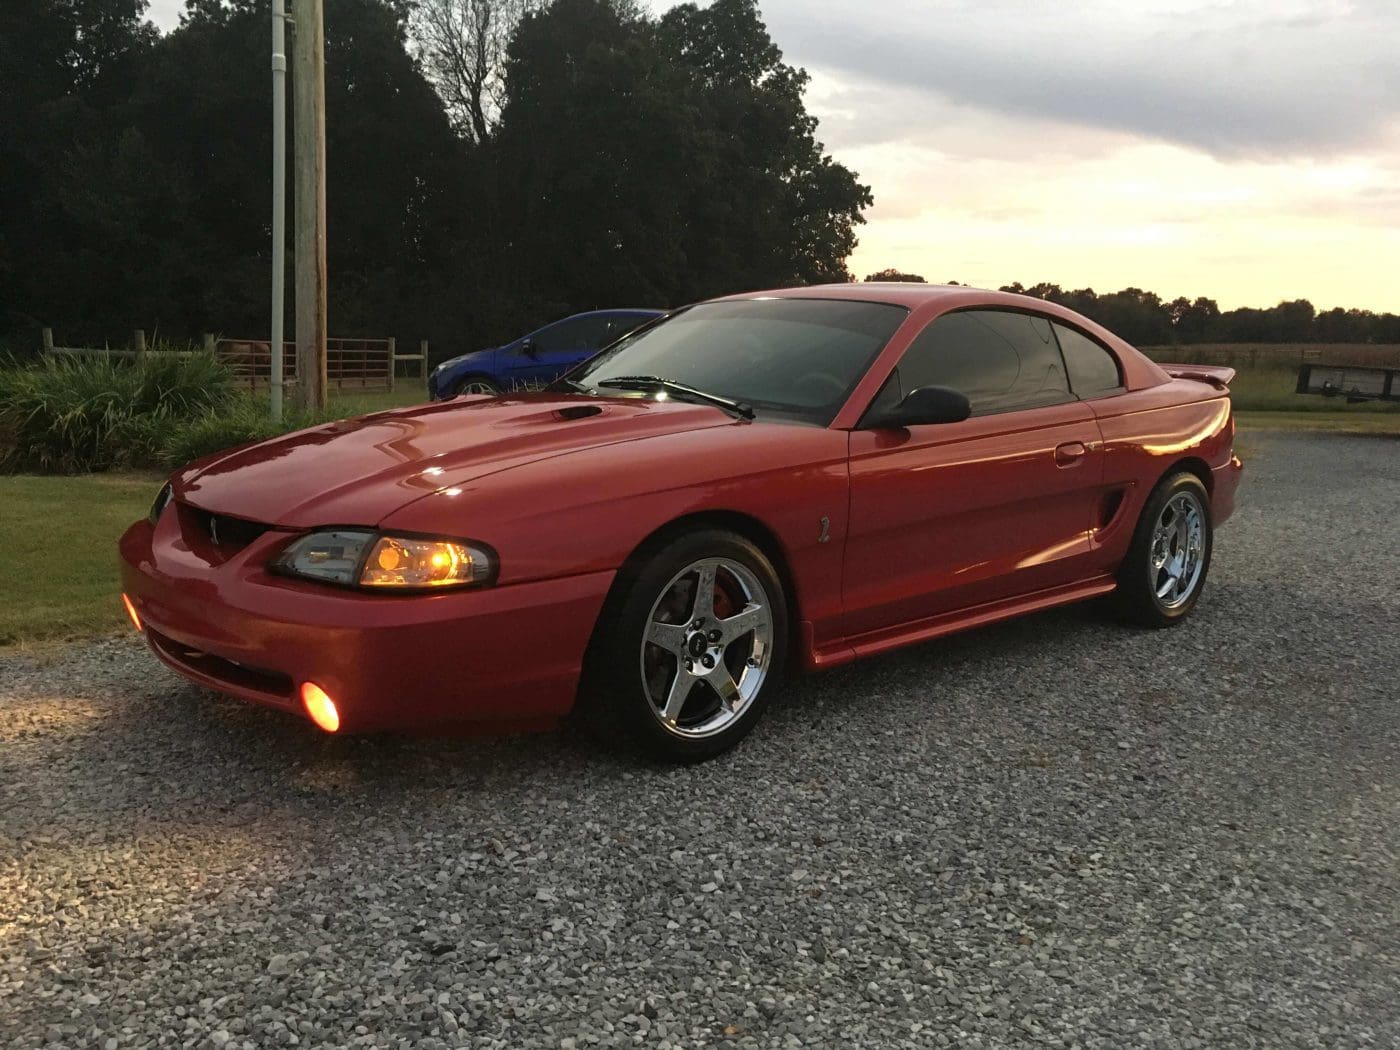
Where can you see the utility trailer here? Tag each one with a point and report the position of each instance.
(1352, 382)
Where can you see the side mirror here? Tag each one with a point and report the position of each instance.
(529, 349)
(926, 405)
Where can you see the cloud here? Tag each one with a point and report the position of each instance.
(1247, 79)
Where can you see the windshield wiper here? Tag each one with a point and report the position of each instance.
(739, 408)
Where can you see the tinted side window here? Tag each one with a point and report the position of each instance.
(619, 325)
(581, 333)
(1000, 360)
(1093, 371)
(558, 336)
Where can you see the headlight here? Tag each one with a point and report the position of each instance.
(163, 497)
(356, 558)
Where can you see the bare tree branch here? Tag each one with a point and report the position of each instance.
(462, 44)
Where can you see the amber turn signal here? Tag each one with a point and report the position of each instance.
(320, 707)
(131, 611)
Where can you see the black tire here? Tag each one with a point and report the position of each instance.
(1140, 579)
(620, 697)
(484, 385)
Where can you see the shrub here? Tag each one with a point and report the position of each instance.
(73, 415)
(245, 421)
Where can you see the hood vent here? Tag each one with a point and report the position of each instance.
(578, 412)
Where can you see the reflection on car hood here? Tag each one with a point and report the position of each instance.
(358, 471)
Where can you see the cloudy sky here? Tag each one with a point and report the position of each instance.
(1247, 150)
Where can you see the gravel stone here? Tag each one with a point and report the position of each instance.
(1052, 832)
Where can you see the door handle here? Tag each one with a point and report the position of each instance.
(1070, 454)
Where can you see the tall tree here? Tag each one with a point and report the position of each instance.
(65, 67)
(778, 209)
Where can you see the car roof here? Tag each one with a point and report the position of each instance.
(615, 310)
(897, 293)
(929, 300)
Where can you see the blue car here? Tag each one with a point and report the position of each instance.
(535, 359)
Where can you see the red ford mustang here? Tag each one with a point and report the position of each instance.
(796, 478)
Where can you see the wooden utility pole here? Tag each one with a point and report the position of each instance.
(309, 160)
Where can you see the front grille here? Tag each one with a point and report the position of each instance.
(228, 534)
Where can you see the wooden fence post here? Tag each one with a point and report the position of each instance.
(47, 335)
(139, 337)
(209, 343)
(423, 365)
(393, 363)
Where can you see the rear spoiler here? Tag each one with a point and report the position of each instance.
(1216, 375)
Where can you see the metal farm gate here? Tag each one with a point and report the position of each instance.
(351, 364)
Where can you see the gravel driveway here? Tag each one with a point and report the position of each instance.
(1053, 832)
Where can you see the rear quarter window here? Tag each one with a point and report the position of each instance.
(1093, 370)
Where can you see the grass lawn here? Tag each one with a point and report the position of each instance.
(1363, 422)
(61, 537)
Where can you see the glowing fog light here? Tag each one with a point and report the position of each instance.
(320, 707)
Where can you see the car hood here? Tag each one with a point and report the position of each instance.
(358, 471)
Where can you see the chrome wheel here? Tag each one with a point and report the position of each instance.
(1177, 554)
(708, 647)
(478, 386)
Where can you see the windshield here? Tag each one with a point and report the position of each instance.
(796, 359)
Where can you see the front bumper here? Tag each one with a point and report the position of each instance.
(509, 655)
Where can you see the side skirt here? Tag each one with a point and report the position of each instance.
(873, 643)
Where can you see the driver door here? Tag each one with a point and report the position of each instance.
(949, 516)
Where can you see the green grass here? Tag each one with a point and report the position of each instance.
(1362, 422)
(60, 534)
(1273, 389)
(358, 402)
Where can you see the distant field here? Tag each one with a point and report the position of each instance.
(1268, 372)
(1382, 355)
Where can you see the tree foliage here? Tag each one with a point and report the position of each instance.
(1146, 319)
(491, 164)
(896, 276)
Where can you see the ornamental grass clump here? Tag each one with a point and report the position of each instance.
(72, 415)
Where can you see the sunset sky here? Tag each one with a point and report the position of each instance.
(1248, 151)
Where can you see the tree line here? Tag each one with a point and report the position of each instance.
(491, 165)
(1146, 319)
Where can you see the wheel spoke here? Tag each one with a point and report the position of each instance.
(722, 682)
(669, 636)
(704, 607)
(677, 695)
(746, 622)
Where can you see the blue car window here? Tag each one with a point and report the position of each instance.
(575, 334)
